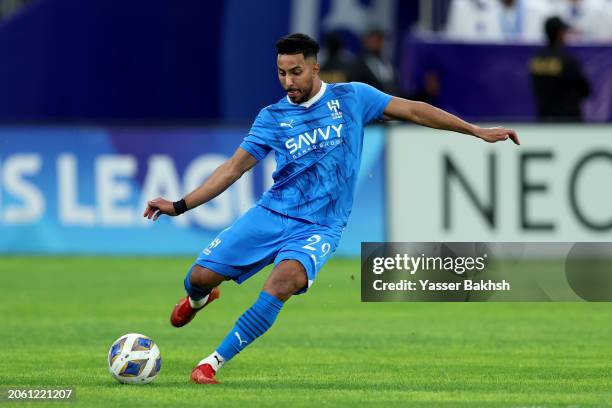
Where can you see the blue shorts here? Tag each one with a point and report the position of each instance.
(261, 237)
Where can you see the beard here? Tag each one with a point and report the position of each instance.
(301, 96)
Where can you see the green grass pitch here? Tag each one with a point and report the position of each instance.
(60, 315)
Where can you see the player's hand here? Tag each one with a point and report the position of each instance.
(497, 134)
(157, 207)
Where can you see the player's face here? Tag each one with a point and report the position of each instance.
(297, 75)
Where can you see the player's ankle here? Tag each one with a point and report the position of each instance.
(215, 360)
(198, 304)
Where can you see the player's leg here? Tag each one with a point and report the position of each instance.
(288, 277)
(201, 285)
(236, 253)
(200, 282)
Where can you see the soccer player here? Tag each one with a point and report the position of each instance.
(316, 134)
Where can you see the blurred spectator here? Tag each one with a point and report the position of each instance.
(590, 20)
(337, 62)
(558, 82)
(373, 67)
(429, 90)
(497, 20)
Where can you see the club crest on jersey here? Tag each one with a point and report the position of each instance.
(334, 107)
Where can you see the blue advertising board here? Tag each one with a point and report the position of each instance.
(82, 190)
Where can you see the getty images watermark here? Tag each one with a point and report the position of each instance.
(422, 263)
(486, 272)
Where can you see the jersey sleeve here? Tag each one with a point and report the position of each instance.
(371, 101)
(256, 142)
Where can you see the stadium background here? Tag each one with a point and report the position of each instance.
(105, 104)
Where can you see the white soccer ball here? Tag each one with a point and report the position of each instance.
(134, 358)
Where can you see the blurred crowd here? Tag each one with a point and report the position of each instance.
(372, 65)
(522, 20)
(405, 48)
(557, 79)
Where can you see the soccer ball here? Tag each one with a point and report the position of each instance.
(134, 358)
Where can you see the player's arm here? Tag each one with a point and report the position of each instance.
(424, 114)
(224, 176)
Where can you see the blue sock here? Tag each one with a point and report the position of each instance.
(195, 292)
(252, 324)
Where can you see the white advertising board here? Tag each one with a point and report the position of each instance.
(555, 186)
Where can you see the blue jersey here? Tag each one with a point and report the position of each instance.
(317, 146)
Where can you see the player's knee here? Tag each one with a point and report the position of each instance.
(204, 278)
(287, 279)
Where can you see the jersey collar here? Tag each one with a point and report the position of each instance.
(312, 100)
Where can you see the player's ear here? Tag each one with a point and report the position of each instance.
(316, 67)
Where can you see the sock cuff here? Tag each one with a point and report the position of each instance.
(215, 360)
(267, 298)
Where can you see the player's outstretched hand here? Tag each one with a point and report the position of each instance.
(157, 207)
(497, 134)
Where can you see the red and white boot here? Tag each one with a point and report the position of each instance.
(204, 374)
(183, 312)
